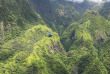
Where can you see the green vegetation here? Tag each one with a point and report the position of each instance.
(35, 52)
(15, 17)
(78, 45)
(105, 12)
(57, 14)
(84, 39)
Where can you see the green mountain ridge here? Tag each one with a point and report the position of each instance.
(84, 37)
(34, 52)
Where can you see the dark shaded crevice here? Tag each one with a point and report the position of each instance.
(71, 41)
(72, 37)
(100, 40)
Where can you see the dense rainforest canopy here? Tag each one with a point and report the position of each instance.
(54, 37)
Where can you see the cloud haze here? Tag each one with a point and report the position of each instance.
(96, 1)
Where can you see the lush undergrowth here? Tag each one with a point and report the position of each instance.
(35, 52)
(83, 38)
(15, 17)
(26, 48)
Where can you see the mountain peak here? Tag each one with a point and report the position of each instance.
(92, 13)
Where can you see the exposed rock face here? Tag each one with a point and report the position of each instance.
(2, 29)
(55, 48)
(101, 36)
(100, 40)
(9, 28)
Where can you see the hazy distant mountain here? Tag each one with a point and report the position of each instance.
(105, 11)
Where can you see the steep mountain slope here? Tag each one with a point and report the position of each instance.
(35, 52)
(86, 5)
(58, 14)
(25, 47)
(91, 23)
(83, 39)
(26, 51)
(15, 16)
(105, 11)
(104, 54)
